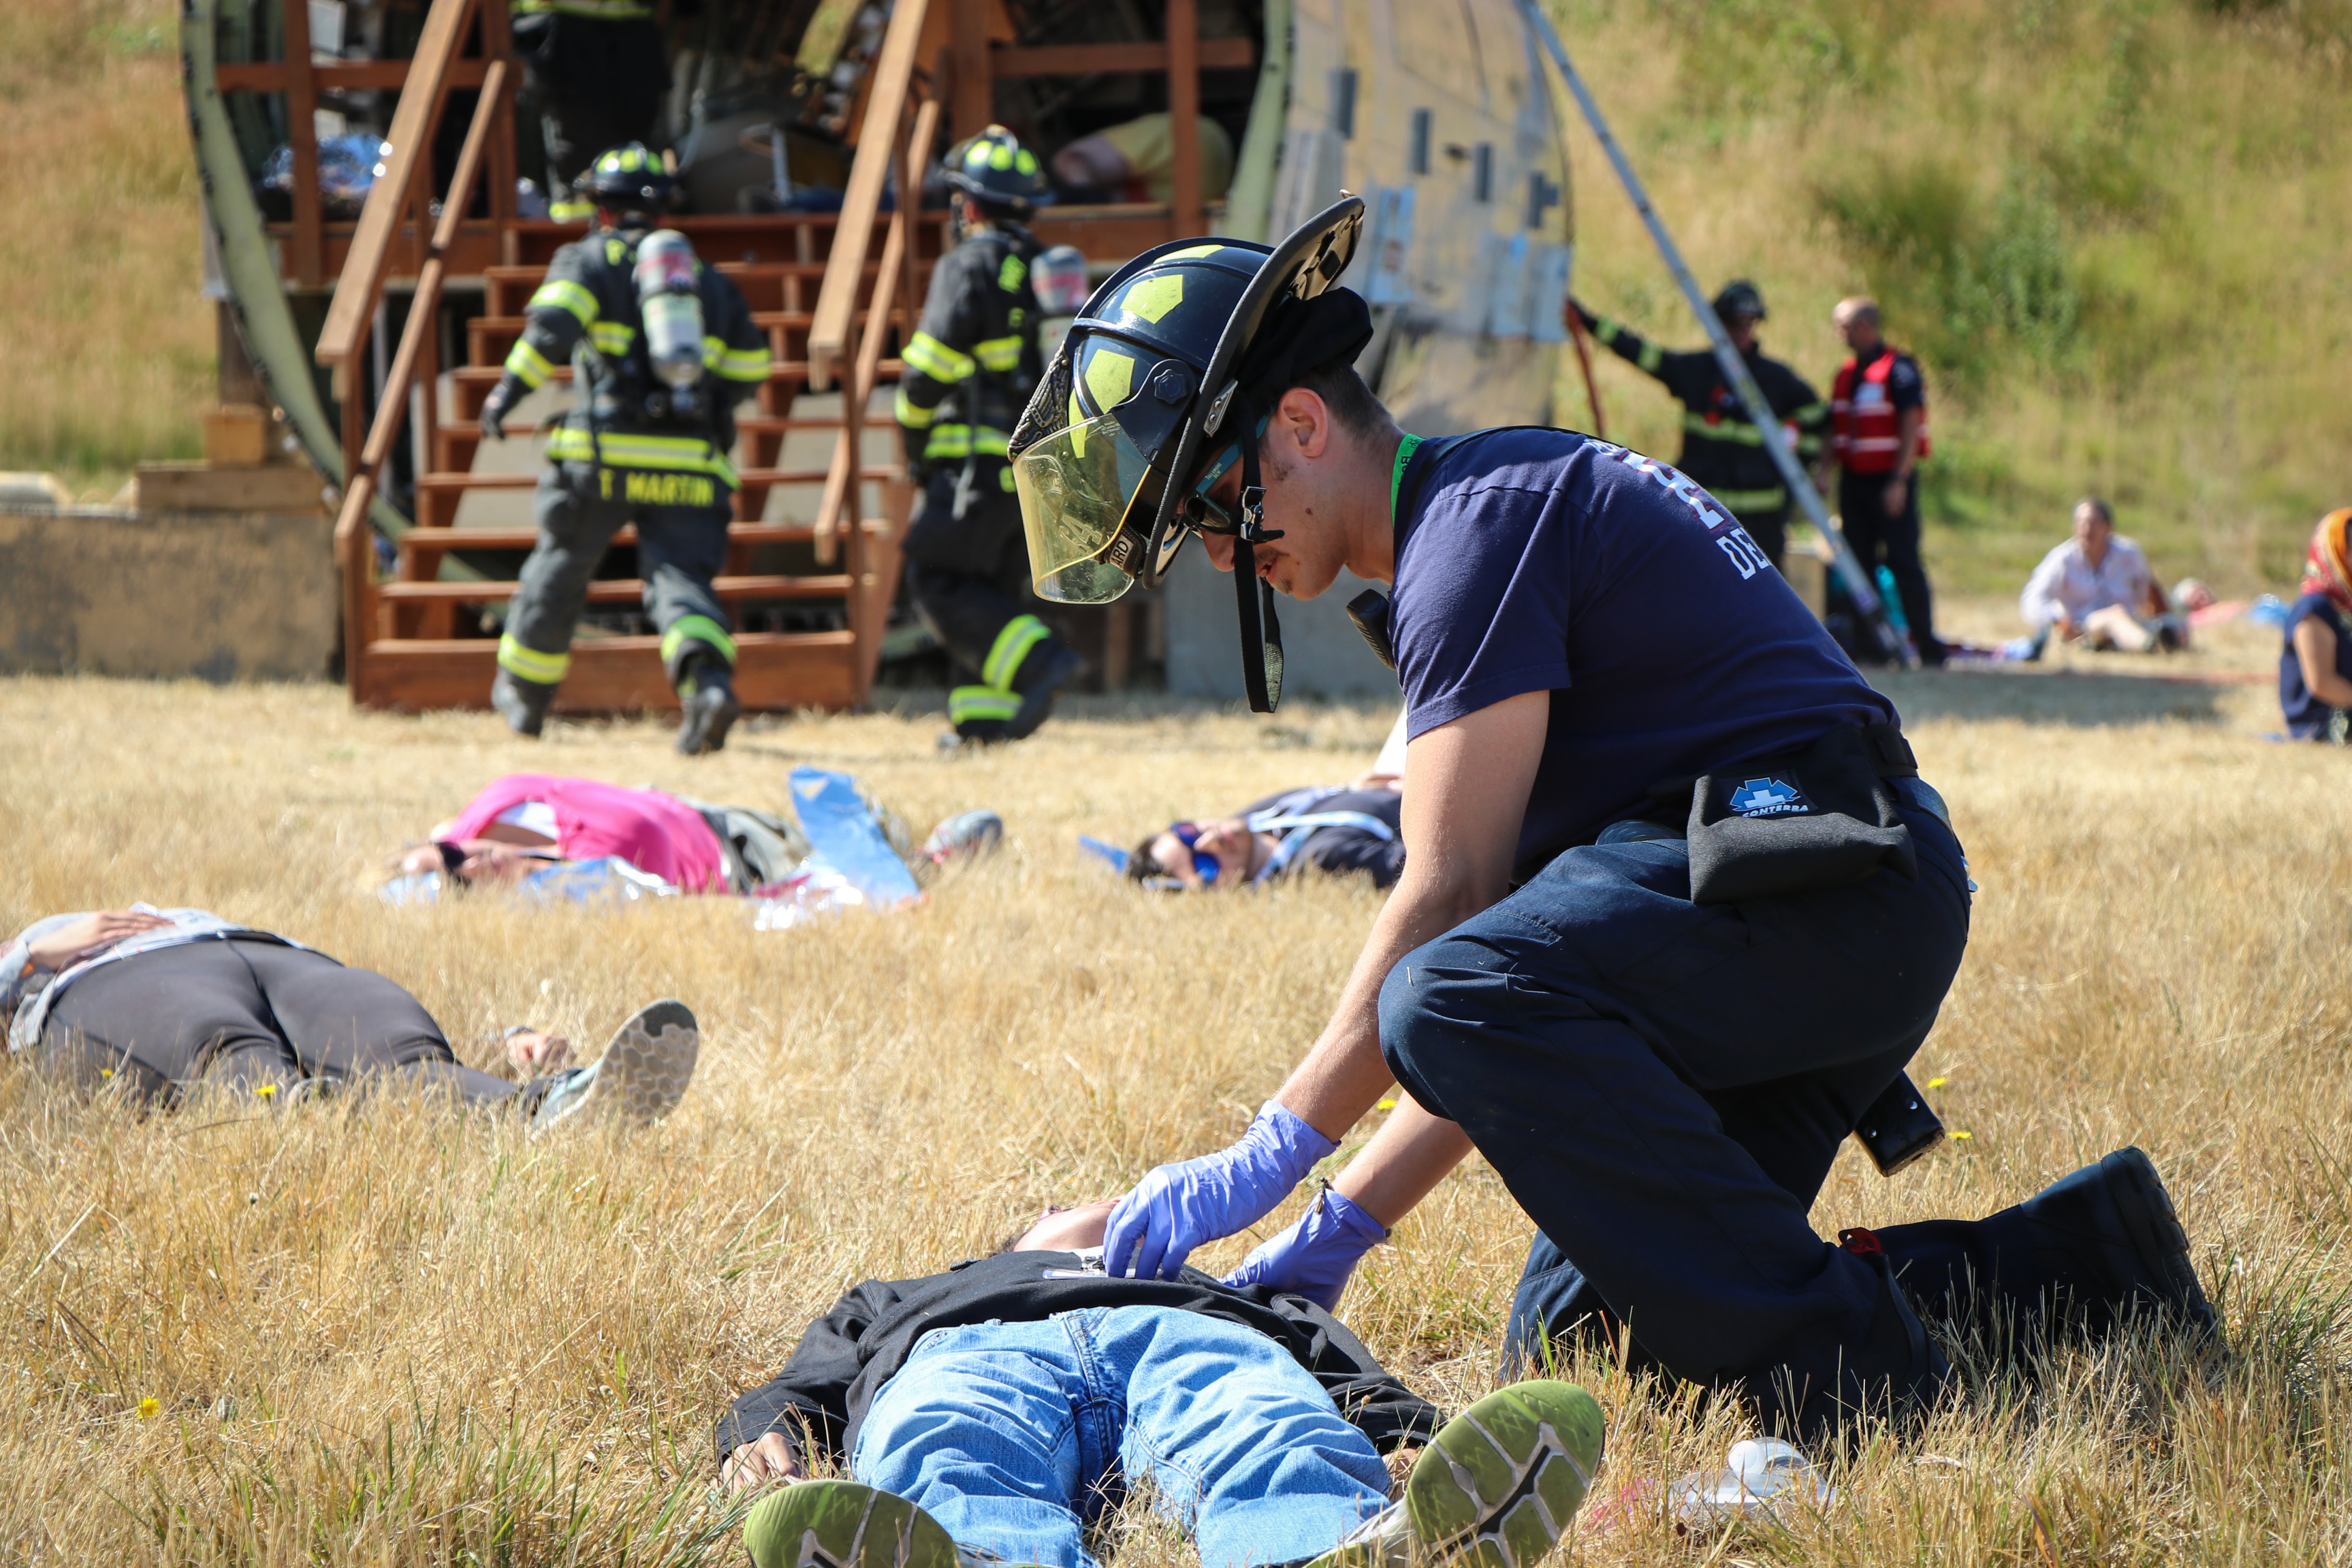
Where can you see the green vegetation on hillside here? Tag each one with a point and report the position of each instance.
(106, 337)
(2115, 233)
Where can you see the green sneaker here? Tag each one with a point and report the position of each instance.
(1496, 1488)
(840, 1525)
(641, 1077)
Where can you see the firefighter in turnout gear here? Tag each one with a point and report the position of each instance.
(599, 72)
(970, 368)
(662, 348)
(1722, 448)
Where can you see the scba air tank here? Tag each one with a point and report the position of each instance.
(671, 305)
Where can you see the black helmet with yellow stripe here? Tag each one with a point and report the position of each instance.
(628, 179)
(1164, 383)
(994, 170)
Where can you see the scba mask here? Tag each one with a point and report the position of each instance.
(1155, 396)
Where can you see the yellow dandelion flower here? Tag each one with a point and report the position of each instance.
(1937, 1082)
(1963, 1134)
(1389, 1104)
(148, 1407)
(266, 1090)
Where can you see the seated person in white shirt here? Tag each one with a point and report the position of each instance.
(2096, 589)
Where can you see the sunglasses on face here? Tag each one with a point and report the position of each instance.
(1188, 834)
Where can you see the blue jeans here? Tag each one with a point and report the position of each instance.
(1014, 1435)
(1663, 1085)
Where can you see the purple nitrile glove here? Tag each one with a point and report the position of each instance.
(1177, 1207)
(1314, 1258)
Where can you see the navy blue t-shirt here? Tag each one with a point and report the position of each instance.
(1545, 560)
(2308, 717)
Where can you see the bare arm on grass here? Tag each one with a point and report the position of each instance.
(2315, 650)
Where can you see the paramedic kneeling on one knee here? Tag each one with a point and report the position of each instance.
(1585, 640)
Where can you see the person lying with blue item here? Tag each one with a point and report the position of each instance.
(1340, 831)
(990, 1413)
(158, 1002)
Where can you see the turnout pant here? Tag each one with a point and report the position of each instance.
(969, 576)
(600, 85)
(1014, 1435)
(1878, 536)
(680, 547)
(247, 1012)
(1663, 1085)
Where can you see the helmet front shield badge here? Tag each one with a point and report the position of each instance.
(1137, 406)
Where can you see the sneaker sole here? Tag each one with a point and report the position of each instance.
(1501, 1482)
(840, 1524)
(2156, 1231)
(646, 1068)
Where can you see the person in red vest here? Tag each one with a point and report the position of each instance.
(1878, 434)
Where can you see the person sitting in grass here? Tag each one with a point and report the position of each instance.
(2097, 590)
(993, 1410)
(1339, 830)
(2315, 666)
(157, 1002)
(523, 823)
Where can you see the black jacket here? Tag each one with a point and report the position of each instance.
(974, 358)
(586, 311)
(1342, 849)
(845, 1358)
(1722, 448)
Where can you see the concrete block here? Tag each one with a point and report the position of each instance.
(1323, 653)
(220, 596)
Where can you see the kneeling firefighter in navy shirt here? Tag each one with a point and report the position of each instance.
(1675, 907)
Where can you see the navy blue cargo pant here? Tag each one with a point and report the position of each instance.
(1663, 1085)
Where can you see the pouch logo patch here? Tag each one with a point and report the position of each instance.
(1769, 797)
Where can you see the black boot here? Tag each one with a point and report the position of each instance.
(706, 692)
(2112, 1246)
(1048, 669)
(524, 704)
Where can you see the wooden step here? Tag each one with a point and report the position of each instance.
(488, 338)
(773, 671)
(766, 285)
(443, 483)
(422, 543)
(619, 590)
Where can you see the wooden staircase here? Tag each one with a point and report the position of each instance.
(813, 540)
(818, 541)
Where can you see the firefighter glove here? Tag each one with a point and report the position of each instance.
(1177, 1207)
(495, 409)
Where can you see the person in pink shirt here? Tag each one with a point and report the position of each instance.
(522, 822)
(525, 818)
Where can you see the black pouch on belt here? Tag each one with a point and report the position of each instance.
(1797, 823)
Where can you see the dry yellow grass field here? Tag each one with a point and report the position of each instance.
(384, 1334)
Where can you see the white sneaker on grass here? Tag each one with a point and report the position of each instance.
(641, 1077)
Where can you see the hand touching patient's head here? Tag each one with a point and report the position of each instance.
(1064, 1230)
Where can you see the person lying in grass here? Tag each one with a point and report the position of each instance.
(995, 1409)
(523, 823)
(1340, 831)
(156, 1002)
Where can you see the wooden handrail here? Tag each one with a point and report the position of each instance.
(354, 542)
(361, 282)
(877, 143)
(843, 480)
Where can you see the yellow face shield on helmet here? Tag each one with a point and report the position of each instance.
(1075, 486)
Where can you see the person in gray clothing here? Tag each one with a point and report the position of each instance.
(161, 1001)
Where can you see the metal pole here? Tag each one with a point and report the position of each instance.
(1858, 585)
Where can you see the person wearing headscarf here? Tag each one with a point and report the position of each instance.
(2315, 665)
